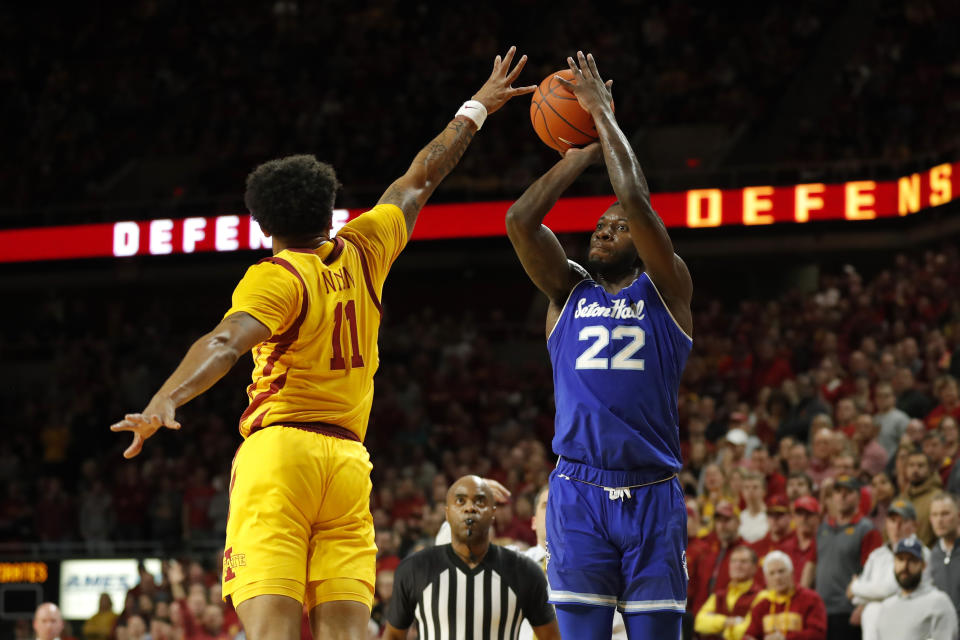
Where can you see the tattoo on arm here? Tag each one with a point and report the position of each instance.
(445, 151)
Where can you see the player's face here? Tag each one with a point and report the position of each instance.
(611, 247)
(470, 510)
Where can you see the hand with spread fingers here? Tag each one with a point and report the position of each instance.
(591, 91)
(498, 88)
(159, 413)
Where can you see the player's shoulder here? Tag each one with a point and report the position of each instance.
(381, 215)
(577, 270)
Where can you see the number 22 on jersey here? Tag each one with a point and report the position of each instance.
(601, 337)
(337, 362)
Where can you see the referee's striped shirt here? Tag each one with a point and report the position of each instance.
(448, 600)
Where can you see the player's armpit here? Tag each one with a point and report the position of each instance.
(543, 259)
(392, 633)
(549, 631)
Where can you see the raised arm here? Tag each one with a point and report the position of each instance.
(537, 247)
(665, 268)
(412, 190)
(208, 360)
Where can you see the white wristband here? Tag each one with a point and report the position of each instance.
(474, 110)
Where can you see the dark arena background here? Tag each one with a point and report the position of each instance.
(805, 157)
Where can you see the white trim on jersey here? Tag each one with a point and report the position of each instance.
(667, 307)
(567, 301)
(641, 606)
(582, 598)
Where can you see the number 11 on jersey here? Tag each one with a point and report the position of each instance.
(337, 362)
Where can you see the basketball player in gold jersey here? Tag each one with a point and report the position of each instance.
(300, 530)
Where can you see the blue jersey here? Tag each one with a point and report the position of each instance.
(617, 361)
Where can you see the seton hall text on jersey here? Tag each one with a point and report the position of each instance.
(618, 311)
(337, 280)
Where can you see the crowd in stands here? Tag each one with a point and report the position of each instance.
(904, 75)
(117, 95)
(819, 435)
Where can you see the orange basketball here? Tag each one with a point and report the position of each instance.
(556, 114)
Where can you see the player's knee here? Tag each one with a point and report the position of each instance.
(271, 617)
(340, 620)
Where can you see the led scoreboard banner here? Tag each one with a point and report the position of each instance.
(696, 208)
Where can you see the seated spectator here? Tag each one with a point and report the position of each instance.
(945, 555)
(711, 569)
(883, 494)
(946, 391)
(764, 464)
(785, 610)
(845, 415)
(802, 546)
(877, 581)
(725, 613)
(924, 484)
(821, 450)
(798, 460)
(873, 456)
(715, 490)
(100, 625)
(779, 520)
(918, 611)
(911, 399)
(753, 518)
(799, 484)
(951, 436)
(935, 449)
(891, 420)
(136, 628)
(47, 622)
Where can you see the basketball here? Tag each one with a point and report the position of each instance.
(556, 114)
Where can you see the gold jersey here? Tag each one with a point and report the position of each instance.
(323, 308)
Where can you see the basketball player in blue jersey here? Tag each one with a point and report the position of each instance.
(618, 336)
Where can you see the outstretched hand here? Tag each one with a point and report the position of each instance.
(592, 153)
(159, 413)
(591, 91)
(498, 88)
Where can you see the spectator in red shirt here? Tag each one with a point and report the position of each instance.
(845, 414)
(770, 368)
(711, 570)
(387, 546)
(725, 614)
(779, 520)
(802, 546)
(799, 484)
(762, 463)
(784, 611)
(946, 391)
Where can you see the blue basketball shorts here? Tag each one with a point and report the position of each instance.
(616, 539)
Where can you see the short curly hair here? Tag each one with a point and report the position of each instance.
(292, 196)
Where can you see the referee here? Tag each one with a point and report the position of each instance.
(470, 588)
